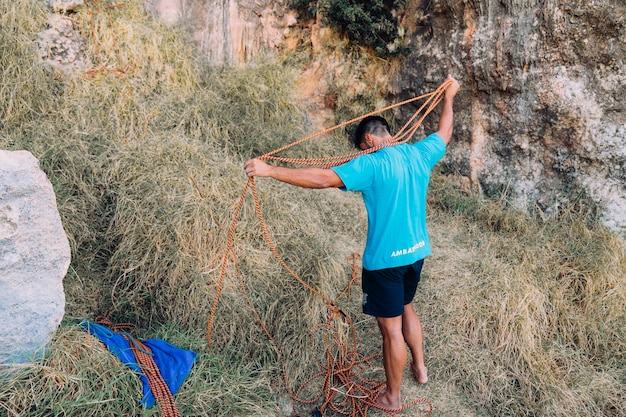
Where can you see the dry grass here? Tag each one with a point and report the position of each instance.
(531, 309)
(79, 376)
(523, 317)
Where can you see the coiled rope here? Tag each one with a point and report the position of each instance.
(149, 368)
(344, 390)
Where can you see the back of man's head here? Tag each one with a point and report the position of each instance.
(373, 125)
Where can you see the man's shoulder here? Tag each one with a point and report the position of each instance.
(432, 138)
(359, 164)
(432, 144)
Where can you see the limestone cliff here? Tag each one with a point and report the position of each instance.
(230, 31)
(543, 113)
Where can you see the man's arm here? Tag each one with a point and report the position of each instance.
(446, 120)
(301, 177)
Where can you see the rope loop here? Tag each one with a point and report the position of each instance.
(431, 100)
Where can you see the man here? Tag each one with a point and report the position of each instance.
(393, 181)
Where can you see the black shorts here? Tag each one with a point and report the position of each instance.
(387, 291)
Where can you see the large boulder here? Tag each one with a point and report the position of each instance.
(34, 257)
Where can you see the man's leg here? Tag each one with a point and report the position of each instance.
(412, 332)
(394, 359)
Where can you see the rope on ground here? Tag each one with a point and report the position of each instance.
(159, 388)
(103, 64)
(143, 355)
(344, 390)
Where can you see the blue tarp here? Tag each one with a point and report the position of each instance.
(173, 362)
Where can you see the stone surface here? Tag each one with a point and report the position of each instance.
(64, 6)
(542, 110)
(233, 32)
(34, 258)
(169, 11)
(60, 45)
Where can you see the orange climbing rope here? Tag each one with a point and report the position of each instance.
(145, 362)
(344, 390)
(431, 100)
(95, 8)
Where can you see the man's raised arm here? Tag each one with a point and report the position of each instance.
(446, 120)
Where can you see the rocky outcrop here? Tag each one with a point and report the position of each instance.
(34, 258)
(60, 45)
(226, 32)
(542, 114)
(231, 32)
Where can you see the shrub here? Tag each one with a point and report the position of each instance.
(365, 23)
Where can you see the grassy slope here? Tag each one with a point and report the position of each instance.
(522, 317)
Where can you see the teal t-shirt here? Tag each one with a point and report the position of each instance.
(393, 182)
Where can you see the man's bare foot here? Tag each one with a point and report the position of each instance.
(384, 402)
(420, 373)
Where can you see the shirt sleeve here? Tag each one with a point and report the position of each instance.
(357, 174)
(432, 148)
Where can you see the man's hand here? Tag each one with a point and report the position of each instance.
(257, 168)
(452, 88)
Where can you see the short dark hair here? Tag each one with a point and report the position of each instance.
(374, 125)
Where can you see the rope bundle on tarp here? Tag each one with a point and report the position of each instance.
(162, 366)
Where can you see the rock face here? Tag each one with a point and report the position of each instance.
(230, 32)
(34, 257)
(542, 112)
